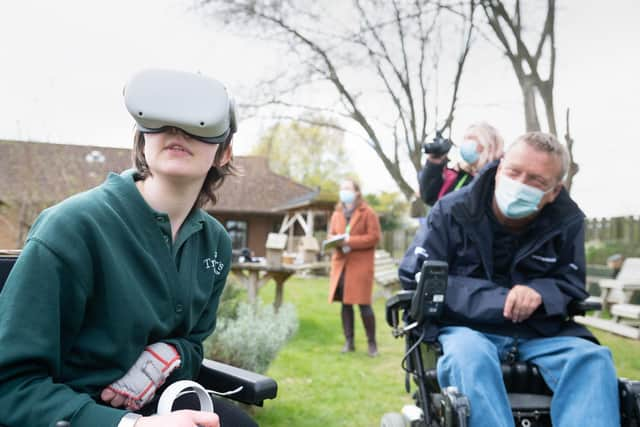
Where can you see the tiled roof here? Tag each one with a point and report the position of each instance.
(46, 173)
(257, 188)
(316, 199)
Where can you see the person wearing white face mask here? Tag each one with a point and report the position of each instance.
(351, 279)
(514, 244)
(481, 145)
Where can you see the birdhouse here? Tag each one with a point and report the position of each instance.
(309, 248)
(276, 243)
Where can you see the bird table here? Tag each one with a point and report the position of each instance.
(254, 275)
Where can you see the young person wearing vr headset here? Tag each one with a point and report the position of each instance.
(117, 287)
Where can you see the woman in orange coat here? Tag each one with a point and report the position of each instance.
(351, 280)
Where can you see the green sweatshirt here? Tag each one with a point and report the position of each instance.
(99, 279)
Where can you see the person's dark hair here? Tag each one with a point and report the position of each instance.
(215, 176)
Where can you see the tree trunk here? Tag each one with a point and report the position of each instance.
(529, 98)
(546, 93)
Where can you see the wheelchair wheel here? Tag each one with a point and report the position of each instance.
(393, 419)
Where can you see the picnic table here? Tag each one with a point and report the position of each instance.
(254, 275)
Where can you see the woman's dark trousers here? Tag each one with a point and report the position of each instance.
(369, 322)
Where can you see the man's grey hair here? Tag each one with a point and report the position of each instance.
(547, 143)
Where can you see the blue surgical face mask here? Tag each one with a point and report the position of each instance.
(347, 196)
(469, 151)
(517, 200)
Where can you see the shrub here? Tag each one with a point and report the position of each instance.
(253, 338)
(231, 297)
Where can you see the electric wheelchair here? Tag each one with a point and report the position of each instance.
(249, 387)
(413, 314)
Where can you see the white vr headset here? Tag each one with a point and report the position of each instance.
(199, 106)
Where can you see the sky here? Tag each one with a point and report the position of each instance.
(65, 63)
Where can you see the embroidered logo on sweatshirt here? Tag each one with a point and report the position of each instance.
(213, 263)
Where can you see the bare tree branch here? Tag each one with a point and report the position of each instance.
(406, 82)
(532, 84)
(573, 166)
(379, 72)
(304, 107)
(314, 122)
(461, 61)
(386, 56)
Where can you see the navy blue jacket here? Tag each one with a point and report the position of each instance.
(458, 230)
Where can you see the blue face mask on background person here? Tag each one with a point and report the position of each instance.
(469, 151)
(347, 196)
(517, 200)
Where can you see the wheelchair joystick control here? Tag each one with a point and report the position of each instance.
(429, 297)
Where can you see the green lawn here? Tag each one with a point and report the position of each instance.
(626, 353)
(319, 386)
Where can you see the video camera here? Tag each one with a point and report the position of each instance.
(439, 147)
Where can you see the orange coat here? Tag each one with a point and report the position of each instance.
(358, 264)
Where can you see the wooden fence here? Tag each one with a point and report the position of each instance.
(397, 242)
(622, 229)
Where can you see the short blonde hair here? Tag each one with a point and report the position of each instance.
(491, 141)
(547, 143)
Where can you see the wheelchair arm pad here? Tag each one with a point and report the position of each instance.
(400, 301)
(580, 307)
(221, 377)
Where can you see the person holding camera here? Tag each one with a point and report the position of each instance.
(481, 145)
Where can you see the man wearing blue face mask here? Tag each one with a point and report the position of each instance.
(514, 242)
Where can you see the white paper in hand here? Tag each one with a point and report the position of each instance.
(333, 242)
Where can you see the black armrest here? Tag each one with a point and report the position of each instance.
(400, 301)
(580, 307)
(222, 378)
(6, 264)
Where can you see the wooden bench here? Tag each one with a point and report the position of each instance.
(385, 273)
(621, 289)
(615, 296)
(624, 312)
(609, 325)
(595, 273)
